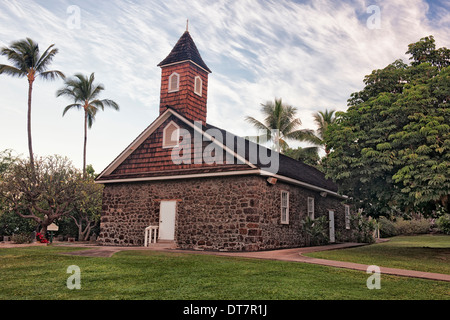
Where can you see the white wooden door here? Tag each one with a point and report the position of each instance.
(167, 214)
(331, 220)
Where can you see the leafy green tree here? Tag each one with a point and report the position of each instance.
(86, 209)
(84, 93)
(42, 193)
(390, 149)
(10, 222)
(280, 124)
(28, 61)
(309, 155)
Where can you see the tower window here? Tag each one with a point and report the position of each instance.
(171, 135)
(174, 82)
(198, 85)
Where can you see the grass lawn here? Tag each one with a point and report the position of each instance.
(429, 253)
(40, 273)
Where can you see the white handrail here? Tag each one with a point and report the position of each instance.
(151, 233)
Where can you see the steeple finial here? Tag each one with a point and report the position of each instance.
(187, 25)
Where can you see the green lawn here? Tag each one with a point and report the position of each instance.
(429, 253)
(40, 273)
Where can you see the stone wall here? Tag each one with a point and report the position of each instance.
(223, 213)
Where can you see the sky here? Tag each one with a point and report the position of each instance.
(311, 54)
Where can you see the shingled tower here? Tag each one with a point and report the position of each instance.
(184, 80)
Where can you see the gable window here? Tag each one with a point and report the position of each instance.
(311, 208)
(347, 216)
(284, 207)
(174, 82)
(171, 135)
(198, 86)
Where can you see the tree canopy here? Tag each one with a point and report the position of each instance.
(390, 149)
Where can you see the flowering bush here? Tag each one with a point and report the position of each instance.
(41, 238)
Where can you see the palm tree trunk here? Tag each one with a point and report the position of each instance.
(85, 142)
(30, 144)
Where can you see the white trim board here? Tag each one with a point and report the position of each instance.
(183, 176)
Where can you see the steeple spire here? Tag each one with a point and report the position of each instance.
(184, 80)
(185, 49)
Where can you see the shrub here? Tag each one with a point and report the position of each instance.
(363, 229)
(391, 228)
(415, 226)
(21, 238)
(316, 231)
(387, 227)
(443, 223)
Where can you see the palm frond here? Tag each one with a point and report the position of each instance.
(82, 90)
(52, 75)
(12, 71)
(15, 57)
(65, 92)
(256, 123)
(95, 91)
(306, 135)
(282, 145)
(91, 118)
(108, 103)
(71, 106)
(260, 139)
(323, 119)
(46, 58)
(29, 50)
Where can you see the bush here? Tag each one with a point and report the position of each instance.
(391, 228)
(362, 229)
(387, 227)
(416, 226)
(443, 223)
(316, 231)
(21, 238)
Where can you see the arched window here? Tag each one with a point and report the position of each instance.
(174, 82)
(198, 85)
(171, 135)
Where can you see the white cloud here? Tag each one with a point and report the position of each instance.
(312, 54)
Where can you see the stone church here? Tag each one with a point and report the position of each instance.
(185, 181)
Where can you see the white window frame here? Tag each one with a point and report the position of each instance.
(310, 207)
(347, 216)
(198, 90)
(170, 85)
(284, 207)
(168, 143)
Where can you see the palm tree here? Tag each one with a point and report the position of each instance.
(27, 61)
(323, 119)
(84, 93)
(280, 124)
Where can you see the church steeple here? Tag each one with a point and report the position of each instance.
(184, 80)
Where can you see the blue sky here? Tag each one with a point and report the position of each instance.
(312, 54)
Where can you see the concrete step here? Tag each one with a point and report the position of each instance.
(163, 244)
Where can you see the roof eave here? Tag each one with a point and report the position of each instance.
(183, 61)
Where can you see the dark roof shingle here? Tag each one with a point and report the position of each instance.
(287, 166)
(185, 49)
